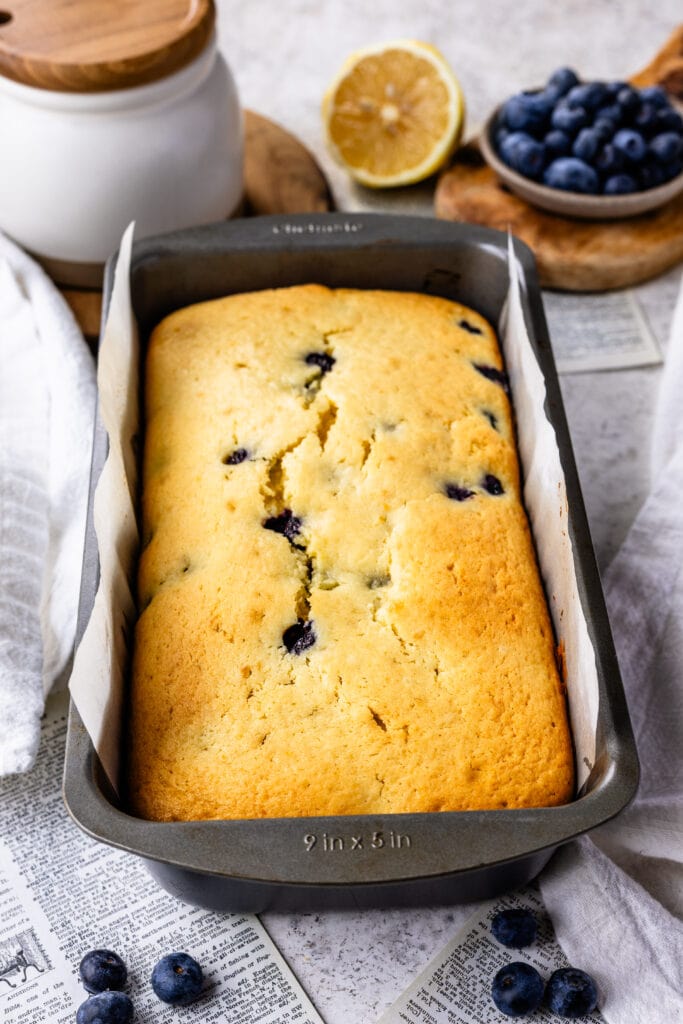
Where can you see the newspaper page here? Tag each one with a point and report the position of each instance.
(606, 331)
(62, 894)
(455, 987)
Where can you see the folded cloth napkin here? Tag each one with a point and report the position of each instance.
(616, 898)
(47, 404)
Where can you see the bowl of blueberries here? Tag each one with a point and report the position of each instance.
(596, 150)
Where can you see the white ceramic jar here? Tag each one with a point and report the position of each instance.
(77, 167)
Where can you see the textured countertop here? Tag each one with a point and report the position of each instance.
(353, 965)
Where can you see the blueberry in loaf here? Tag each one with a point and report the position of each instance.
(340, 607)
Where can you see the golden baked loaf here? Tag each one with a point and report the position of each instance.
(340, 607)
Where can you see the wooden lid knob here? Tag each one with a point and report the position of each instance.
(99, 45)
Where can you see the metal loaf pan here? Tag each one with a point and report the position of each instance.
(373, 860)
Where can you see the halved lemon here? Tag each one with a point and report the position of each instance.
(394, 114)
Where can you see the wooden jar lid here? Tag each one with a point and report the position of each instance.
(99, 45)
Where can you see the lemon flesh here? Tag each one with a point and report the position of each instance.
(394, 114)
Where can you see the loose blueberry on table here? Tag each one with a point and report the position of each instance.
(177, 979)
(105, 1008)
(595, 138)
(571, 993)
(514, 928)
(102, 969)
(517, 990)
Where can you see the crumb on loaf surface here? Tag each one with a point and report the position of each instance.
(340, 607)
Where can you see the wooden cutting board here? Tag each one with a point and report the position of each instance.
(574, 255)
(280, 176)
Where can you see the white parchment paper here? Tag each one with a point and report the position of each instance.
(545, 497)
(97, 682)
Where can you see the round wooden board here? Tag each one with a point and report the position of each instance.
(280, 176)
(575, 255)
(572, 255)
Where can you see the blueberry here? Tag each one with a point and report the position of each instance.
(515, 928)
(672, 170)
(105, 1008)
(557, 143)
(586, 144)
(526, 111)
(322, 359)
(575, 96)
(620, 184)
(571, 993)
(285, 523)
(561, 81)
(609, 160)
(511, 114)
(491, 418)
(655, 95)
(629, 100)
(457, 493)
(631, 144)
(530, 158)
(492, 484)
(604, 127)
(589, 96)
(101, 969)
(612, 111)
(651, 174)
(493, 373)
(523, 154)
(234, 458)
(595, 96)
(612, 89)
(470, 328)
(646, 120)
(517, 990)
(667, 147)
(177, 979)
(668, 120)
(569, 119)
(508, 144)
(572, 175)
(299, 637)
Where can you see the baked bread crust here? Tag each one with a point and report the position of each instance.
(341, 611)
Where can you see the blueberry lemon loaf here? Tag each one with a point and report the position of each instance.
(340, 607)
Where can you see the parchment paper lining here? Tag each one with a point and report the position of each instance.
(97, 681)
(545, 498)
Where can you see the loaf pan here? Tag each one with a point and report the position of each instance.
(366, 860)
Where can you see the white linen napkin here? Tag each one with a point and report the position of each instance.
(616, 897)
(47, 403)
